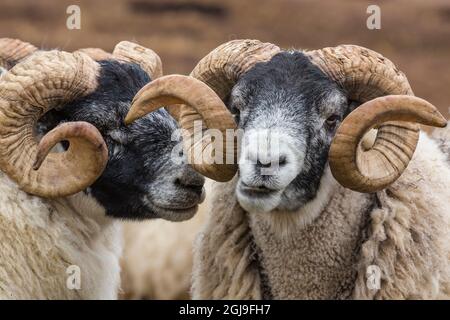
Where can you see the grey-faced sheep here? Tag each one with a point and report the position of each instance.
(312, 209)
(57, 208)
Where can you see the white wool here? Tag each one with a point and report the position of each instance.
(283, 223)
(158, 256)
(41, 238)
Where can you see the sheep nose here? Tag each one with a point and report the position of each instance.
(270, 158)
(190, 179)
(265, 161)
(279, 161)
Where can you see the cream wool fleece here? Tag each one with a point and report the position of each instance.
(157, 258)
(41, 238)
(403, 230)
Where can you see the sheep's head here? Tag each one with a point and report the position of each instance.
(73, 99)
(289, 111)
(296, 112)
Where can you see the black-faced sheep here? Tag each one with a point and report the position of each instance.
(312, 209)
(57, 208)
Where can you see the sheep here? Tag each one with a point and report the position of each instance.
(154, 266)
(60, 234)
(313, 213)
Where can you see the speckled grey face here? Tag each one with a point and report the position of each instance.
(289, 111)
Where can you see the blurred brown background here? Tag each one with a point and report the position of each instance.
(414, 34)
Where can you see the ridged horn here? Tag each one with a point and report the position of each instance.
(144, 57)
(30, 89)
(204, 154)
(366, 75)
(376, 168)
(12, 51)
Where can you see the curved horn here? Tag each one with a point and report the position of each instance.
(96, 54)
(223, 66)
(13, 51)
(365, 75)
(220, 70)
(378, 167)
(149, 61)
(30, 89)
(206, 156)
(146, 58)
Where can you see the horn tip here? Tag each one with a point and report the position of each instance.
(129, 119)
(440, 121)
(37, 163)
(443, 123)
(437, 119)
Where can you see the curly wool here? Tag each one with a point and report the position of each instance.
(158, 256)
(403, 230)
(41, 238)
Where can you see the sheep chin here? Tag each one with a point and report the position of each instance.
(262, 203)
(175, 215)
(172, 213)
(285, 223)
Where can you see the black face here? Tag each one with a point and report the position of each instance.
(289, 111)
(141, 179)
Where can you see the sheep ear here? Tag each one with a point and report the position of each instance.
(149, 61)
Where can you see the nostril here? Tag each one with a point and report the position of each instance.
(282, 161)
(263, 165)
(195, 185)
(196, 189)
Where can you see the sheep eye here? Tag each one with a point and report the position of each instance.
(332, 121)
